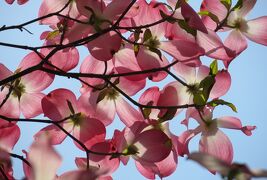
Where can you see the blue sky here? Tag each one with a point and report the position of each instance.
(248, 93)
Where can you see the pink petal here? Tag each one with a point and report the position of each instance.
(125, 61)
(11, 103)
(78, 174)
(147, 59)
(236, 42)
(37, 80)
(182, 50)
(186, 72)
(163, 168)
(256, 30)
(104, 110)
(169, 97)
(30, 104)
(9, 136)
(97, 5)
(55, 104)
(4, 72)
(234, 123)
(131, 87)
(116, 7)
(10, 1)
(184, 139)
(21, 2)
(64, 59)
(247, 6)
(191, 17)
(51, 6)
(105, 166)
(89, 131)
(42, 151)
(203, 72)
(105, 51)
(152, 151)
(174, 31)
(148, 14)
(127, 114)
(216, 143)
(212, 44)
(151, 94)
(222, 84)
(92, 65)
(206, 114)
(56, 134)
(215, 7)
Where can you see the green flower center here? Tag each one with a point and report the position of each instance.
(193, 88)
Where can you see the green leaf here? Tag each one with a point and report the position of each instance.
(238, 5)
(101, 95)
(178, 4)
(52, 34)
(158, 52)
(147, 35)
(137, 34)
(206, 86)
(211, 15)
(99, 87)
(184, 25)
(168, 18)
(199, 99)
(117, 81)
(170, 113)
(226, 3)
(214, 67)
(136, 49)
(70, 107)
(146, 111)
(217, 102)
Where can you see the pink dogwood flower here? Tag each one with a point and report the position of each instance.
(149, 55)
(213, 141)
(254, 29)
(26, 91)
(104, 101)
(135, 141)
(62, 103)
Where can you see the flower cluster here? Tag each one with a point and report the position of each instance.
(130, 43)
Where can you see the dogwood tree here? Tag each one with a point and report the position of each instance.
(129, 44)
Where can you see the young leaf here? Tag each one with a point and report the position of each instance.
(238, 5)
(214, 67)
(147, 35)
(169, 19)
(101, 95)
(158, 52)
(226, 3)
(136, 49)
(146, 111)
(217, 102)
(199, 99)
(206, 86)
(170, 113)
(211, 15)
(184, 25)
